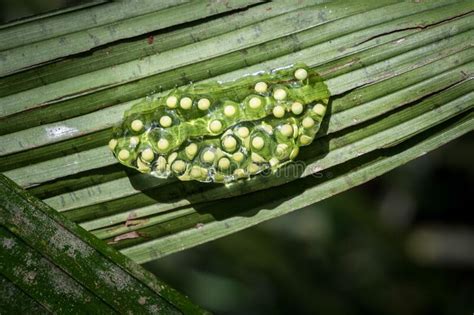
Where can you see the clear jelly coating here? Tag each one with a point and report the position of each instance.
(221, 132)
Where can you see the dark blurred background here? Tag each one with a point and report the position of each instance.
(400, 244)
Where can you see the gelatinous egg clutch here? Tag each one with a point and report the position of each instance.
(220, 132)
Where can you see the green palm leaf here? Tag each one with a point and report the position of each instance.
(400, 76)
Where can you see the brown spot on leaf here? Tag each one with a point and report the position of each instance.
(199, 225)
(150, 39)
(131, 215)
(8, 243)
(30, 277)
(135, 222)
(133, 234)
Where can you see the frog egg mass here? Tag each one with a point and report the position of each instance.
(222, 132)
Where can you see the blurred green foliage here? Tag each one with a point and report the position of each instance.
(357, 253)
